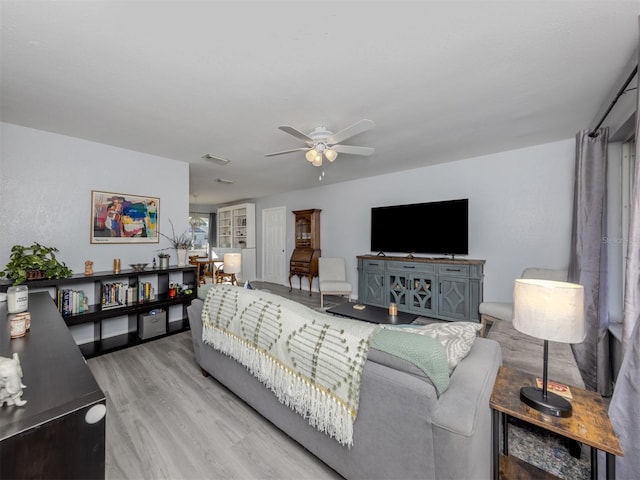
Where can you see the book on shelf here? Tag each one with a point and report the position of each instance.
(555, 387)
(72, 302)
(146, 292)
(117, 294)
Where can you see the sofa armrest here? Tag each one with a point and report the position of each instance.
(462, 417)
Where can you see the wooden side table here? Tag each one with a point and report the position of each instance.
(589, 424)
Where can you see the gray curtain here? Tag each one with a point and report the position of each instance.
(588, 260)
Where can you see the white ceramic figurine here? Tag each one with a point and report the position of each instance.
(11, 381)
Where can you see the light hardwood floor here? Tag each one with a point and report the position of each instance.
(166, 421)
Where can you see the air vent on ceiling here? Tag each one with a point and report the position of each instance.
(216, 159)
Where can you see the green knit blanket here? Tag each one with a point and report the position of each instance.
(426, 353)
(312, 362)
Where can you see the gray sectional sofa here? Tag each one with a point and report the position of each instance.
(403, 430)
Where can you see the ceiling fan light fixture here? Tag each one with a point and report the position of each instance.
(310, 155)
(324, 143)
(331, 154)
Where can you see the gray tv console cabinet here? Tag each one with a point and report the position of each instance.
(439, 288)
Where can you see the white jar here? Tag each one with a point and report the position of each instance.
(17, 299)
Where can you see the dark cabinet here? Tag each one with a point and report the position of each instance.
(304, 259)
(60, 431)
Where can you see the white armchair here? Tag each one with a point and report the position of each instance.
(332, 277)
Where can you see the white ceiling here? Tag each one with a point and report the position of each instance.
(442, 80)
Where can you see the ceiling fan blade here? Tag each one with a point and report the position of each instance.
(350, 149)
(297, 134)
(352, 131)
(303, 149)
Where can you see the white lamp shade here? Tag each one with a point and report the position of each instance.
(232, 263)
(331, 154)
(310, 155)
(549, 310)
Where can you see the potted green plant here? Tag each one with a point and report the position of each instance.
(181, 243)
(34, 262)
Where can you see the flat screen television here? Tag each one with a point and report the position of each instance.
(436, 228)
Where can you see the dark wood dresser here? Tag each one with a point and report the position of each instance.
(51, 435)
(304, 259)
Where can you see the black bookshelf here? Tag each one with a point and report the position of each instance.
(96, 313)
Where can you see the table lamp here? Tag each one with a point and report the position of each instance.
(552, 311)
(232, 265)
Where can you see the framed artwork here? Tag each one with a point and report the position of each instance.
(124, 218)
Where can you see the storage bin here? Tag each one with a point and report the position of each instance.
(152, 324)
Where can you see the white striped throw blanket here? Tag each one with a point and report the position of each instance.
(312, 362)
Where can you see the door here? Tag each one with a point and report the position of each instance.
(399, 288)
(453, 300)
(422, 299)
(274, 228)
(373, 288)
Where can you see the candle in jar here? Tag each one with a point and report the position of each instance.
(17, 326)
(20, 323)
(17, 299)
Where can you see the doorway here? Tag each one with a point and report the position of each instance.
(274, 228)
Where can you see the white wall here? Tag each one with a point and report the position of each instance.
(45, 194)
(520, 209)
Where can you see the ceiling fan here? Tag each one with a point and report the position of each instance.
(322, 142)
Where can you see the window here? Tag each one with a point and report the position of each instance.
(628, 174)
(199, 231)
(622, 166)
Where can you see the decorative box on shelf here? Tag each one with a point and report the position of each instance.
(152, 324)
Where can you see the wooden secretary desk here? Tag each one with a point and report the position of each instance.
(304, 259)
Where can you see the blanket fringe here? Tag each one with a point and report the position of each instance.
(323, 411)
